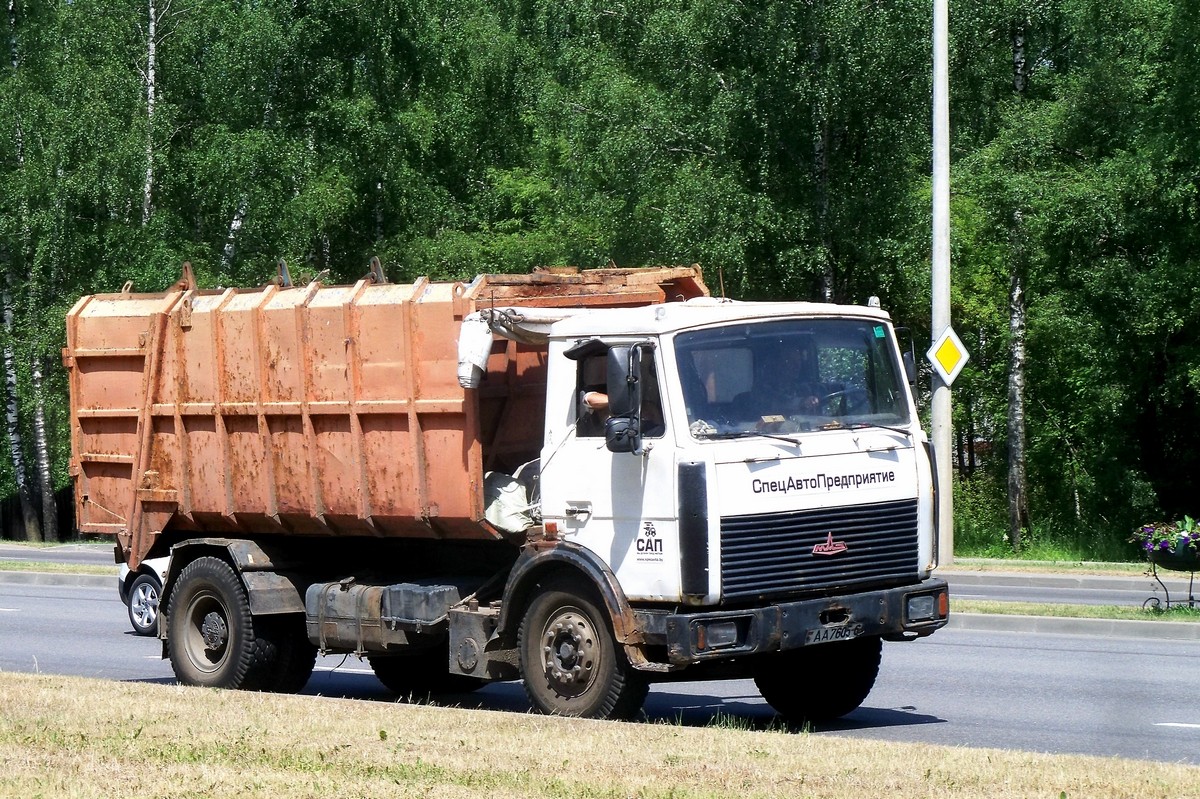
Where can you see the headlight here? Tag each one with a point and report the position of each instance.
(921, 608)
(719, 634)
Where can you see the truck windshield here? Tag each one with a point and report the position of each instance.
(790, 376)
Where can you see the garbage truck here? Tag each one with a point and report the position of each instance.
(590, 480)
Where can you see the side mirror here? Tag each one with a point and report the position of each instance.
(623, 428)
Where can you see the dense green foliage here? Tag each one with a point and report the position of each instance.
(782, 145)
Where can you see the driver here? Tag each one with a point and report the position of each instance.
(785, 387)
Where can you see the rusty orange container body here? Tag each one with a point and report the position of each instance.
(315, 410)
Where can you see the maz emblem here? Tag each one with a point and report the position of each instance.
(830, 547)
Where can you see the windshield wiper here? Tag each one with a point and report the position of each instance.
(747, 434)
(862, 425)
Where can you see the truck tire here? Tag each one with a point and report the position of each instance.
(295, 654)
(143, 604)
(570, 661)
(417, 674)
(822, 682)
(211, 639)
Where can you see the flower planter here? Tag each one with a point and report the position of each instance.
(1181, 559)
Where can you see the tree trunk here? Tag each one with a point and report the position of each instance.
(13, 52)
(151, 97)
(821, 174)
(30, 529)
(379, 210)
(235, 227)
(1018, 489)
(41, 451)
(820, 168)
(960, 453)
(971, 459)
(1018, 502)
(1020, 74)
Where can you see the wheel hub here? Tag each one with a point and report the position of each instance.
(145, 606)
(569, 650)
(215, 632)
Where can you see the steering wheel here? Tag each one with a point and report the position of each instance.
(846, 402)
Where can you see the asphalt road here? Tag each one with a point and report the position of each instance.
(989, 585)
(1072, 693)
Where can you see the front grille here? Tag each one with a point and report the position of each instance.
(769, 555)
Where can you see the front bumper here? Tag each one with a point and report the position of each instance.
(906, 612)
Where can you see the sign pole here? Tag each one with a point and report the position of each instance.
(941, 407)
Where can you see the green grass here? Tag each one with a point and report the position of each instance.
(1076, 567)
(981, 530)
(55, 568)
(973, 540)
(1120, 612)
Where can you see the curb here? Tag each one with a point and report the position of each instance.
(59, 579)
(1061, 625)
(1086, 581)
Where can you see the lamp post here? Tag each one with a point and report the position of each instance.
(940, 318)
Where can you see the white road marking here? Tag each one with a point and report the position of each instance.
(1177, 724)
(10, 610)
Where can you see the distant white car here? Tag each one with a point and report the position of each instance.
(140, 592)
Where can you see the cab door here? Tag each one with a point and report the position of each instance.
(619, 505)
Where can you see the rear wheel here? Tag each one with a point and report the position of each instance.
(211, 638)
(295, 654)
(821, 682)
(417, 673)
(570, 660)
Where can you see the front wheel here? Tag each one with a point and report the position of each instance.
(211, 638)
(822, 682)
(571, 663)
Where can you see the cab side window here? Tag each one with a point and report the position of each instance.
(591, 400)
(653, 420)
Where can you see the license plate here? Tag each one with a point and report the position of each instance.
(824, 635)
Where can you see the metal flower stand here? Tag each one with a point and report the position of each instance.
(1178, 561)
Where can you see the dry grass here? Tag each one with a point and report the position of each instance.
(69, 737)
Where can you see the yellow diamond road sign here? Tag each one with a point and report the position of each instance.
(948, 355)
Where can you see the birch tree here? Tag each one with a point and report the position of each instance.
(31, 528)
(160, 22)
(1018, 490)
(50, 531)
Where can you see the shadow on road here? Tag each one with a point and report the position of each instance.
(682, 704)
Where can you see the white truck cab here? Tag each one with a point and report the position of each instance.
(792, 423)
(759, 482)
